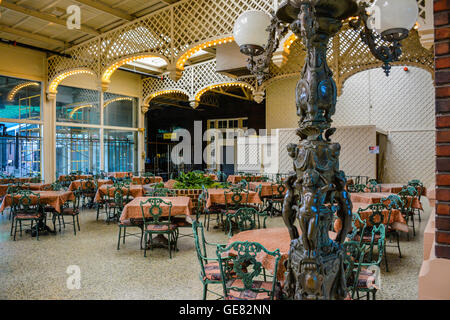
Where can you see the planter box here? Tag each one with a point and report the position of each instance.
(191, 193)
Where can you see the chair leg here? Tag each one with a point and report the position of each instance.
(37, 230)
(145, 244)
(398, 245)
(12, 225)
(205, 290)
(385, 259)
(74, 226)
(142, 235)
(118, 242)
(170, 246)
(15, 230)
(414, 227)
(78, 222)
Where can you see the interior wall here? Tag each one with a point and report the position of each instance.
(401, 104)
(22, 63)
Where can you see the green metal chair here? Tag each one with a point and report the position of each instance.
(418, 185)
(375, 221)
(209, 267)
(393, 202)
(244, 219)
(407, 194)
(26, 208)
(276, 201)
(71, 209)
(88, 190)
(373, 186)
(243, 275)
(374, 253)
(353, 253)
(131, 223)
(155, 225)
(114, 203)
(161, 192)
(357, 188)
(235, 198)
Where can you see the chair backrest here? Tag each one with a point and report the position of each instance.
(379, 213)
(373, 186)
(358, 227)
(393, 201)
(357, 188)
(244, 218)
(200, 244)
(378, 236)
(87, 185)
(353, 258)
(235, 197)
(55, 186)
(152, 211)
(278, 189)
(418, 185)
(27, 202)
(407, 194)
(201, 205)
(162, 192)
(238, 262)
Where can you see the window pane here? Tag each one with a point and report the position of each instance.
(20, 149)
(120, 151)
(77, 149)
(20, 99)
(120, 110)
(77, 105)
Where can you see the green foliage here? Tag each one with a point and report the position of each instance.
(195, 180)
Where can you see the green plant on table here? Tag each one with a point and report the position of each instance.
(194, 180)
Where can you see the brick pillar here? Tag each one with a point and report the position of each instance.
(442, 62)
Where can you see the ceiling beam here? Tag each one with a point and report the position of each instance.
(223, 92)
(32, 36)
(45, 16)
(106, 9)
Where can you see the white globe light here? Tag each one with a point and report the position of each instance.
(394, 14)
(250, 29)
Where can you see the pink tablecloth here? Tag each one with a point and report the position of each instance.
(217, 197)
(180, 206)
(53, 198)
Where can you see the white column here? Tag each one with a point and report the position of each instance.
(49, 138)
(102, 140)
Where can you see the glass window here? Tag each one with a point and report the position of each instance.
(119, 111)
(77, 149)
(20, 99)
(77, 105)
(20, 149)
(120, 151)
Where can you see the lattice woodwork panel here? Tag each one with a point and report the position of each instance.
(353, 106)
(196, 21)
(411, 156)
(248, 155)
(405, 100)
(355, 158)
(152, 85)
(194, 79)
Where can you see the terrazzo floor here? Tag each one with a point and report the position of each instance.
(31, 269)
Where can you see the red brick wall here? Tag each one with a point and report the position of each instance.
(442, 60)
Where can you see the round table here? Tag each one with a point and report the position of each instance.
(271, 239)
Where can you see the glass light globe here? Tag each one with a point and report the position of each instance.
(250, 31)
(393, 14)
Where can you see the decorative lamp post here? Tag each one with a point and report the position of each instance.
(317, 189)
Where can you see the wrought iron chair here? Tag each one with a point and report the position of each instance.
(357, 188)
(26, 208)
(131, 223)
(375, 220)
(154, 223)
(115, 203)
(353, 258)
(209, 267)
(407, 194)
(217, 210)
(244, 219)
(373, 186)
(419, 188)
(88, 190)
(243, 275)
(393, 202)
(276, 201)
(161, 192)
(71, 209)
(235, 198)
